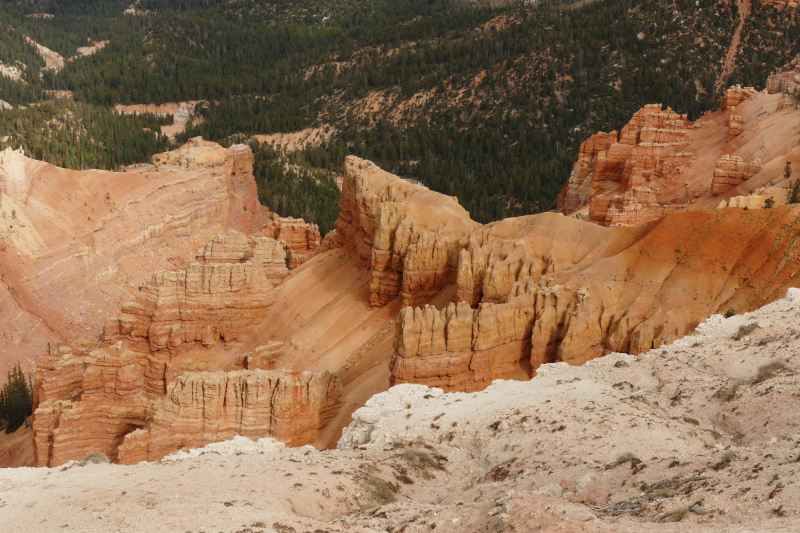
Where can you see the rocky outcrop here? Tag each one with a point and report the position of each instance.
(52, 60)
(637, 205)
(88, 397)
(216, 299)
(77, 243)
(204, 407)
(612, 174)
(262, 358)
(735, 95)
(580, 294)
(578, 190)
(786, 80)
(761, 198)
(732, 171)
(408, 235)
(735, 126)
(301, 238)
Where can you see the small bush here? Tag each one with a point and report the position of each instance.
(288, 258)
(767, 371)
(627, 457)
(728, 456)
(729, 393)
(725, 460)
(418, 459)
(768, 339)
(729, 313)
(382, 491)
(95, 458)
(745, 330)
(677, 515)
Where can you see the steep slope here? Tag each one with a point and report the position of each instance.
(74, 244)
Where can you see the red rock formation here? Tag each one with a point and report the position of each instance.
(579, 187)
(204, 407)
(74, 243)
(649, 147)
(732, 171)
(408, 235)
(662, 163)
(218, 298)
(784, 82)
(262, 358)
(637, 205)
(568, 293)
(735, 126)
(735, 95)
(303, 239)
(182, 321)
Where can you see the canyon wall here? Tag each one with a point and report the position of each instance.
(408, 235)
(467, 303)
(204, 407)
(89, 396)
(75, 244)
(547, 290)
(661, 163)
(613, 174)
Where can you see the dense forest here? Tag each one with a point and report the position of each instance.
(75, 135)
(489, 105)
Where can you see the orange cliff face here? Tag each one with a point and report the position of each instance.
(661, 163)
(74, 244)
(90, 397)
(130, 395)
(408, 235)
(547, 288)
(204, 407)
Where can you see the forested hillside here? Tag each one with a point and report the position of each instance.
(489, 105)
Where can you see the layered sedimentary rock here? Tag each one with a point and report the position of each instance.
(408, 235)
(785, 79)
(547, 289)
(217, 298)
(735, 95)
(302, 238)
(74, 244)
(88, 397)
(578, 190)
(732, 171)
(612, 174)
(735, 126)
(687, 172)
(637, 205)
(204, 407)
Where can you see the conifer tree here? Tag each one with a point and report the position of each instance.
(16, 399)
